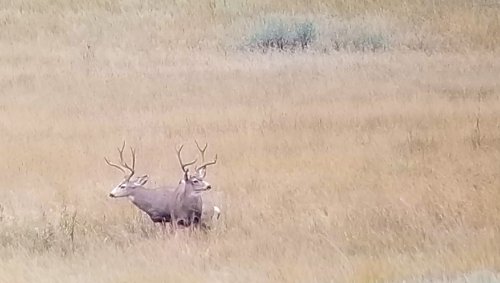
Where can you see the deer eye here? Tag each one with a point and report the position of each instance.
(122, 186)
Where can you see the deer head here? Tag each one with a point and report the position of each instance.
(194, 182)
(126, 186)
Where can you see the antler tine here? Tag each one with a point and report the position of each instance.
(132, 150)
(132, 169)
(124, 164)
(202, 151)
(204, 165)
(183, 165)
(120, 152)
(114, 165)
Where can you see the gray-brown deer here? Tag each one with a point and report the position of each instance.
(189, 201)
(179, 205)
(211, 212)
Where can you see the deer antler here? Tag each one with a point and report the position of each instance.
(132, 169)
(202, 151)
(204, 165)
(183, 165)
(124, 164)
(114, 165)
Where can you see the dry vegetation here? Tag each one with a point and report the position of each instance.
(336, 165)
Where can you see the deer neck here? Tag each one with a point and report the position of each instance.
(135, 195)
(183, 192)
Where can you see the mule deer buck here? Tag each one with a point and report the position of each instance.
(189, 204)
(178, 205)
(210, 212)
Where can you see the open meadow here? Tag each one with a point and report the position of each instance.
(358, 141)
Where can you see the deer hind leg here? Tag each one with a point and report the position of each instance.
(173, 225)
(164, 228)
(179, 223)
(162, 222)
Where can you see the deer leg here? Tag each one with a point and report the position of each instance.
(189, 224)
(174, 225)
(196, 220)
(163, 226)
(171, 227)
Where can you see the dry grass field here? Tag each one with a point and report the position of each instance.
(337, 163)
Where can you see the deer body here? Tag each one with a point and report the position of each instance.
(157, 203)
(188, 204)
(162, 204)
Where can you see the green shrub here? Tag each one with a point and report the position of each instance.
(366, 34)
(280, 35)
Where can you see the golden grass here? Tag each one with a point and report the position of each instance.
(344, 167)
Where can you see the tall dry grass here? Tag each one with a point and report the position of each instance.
(333, 166)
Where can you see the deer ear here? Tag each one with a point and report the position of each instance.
(202, 172)
(142, 180)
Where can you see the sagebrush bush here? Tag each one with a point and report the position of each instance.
(330, 34)
(282, 35)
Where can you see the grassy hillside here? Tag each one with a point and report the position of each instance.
(371, 155)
